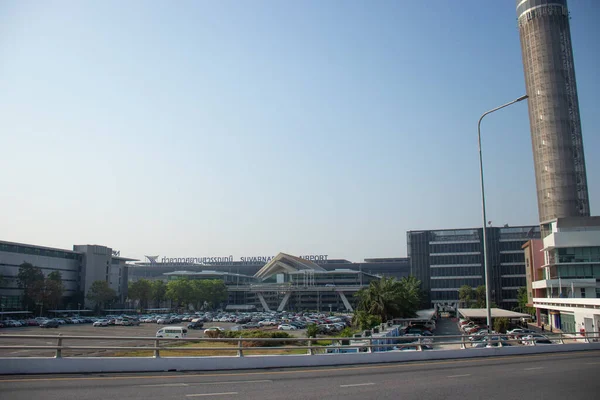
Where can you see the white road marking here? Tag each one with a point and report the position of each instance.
(458, 376)
(358, 384)
(166, 385)
(232, 382)
(532, 368)
(211, 394)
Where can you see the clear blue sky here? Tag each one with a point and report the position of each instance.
(244, 128)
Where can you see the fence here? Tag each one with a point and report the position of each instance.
(339, 345)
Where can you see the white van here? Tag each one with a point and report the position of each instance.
(172, 332)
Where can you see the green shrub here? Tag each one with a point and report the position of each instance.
(254, 334)
(346, 332)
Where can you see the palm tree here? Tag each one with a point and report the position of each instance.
(389, 298)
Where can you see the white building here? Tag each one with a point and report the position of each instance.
(568, 294)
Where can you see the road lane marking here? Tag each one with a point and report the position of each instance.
(358, 384)
(211, 394)
(457, 376)
(532, 368)
(593, 363)
(165, 385)
(232, 382)
(400, 364)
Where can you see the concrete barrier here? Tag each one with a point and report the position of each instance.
(37, 365)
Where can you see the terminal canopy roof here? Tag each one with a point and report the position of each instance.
(476, 313)
(285, 263)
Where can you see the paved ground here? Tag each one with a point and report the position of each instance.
(143, 330)
(447, 326)
(551, 376)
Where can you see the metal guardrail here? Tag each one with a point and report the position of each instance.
(364, 344)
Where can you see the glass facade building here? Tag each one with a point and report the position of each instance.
(444, 260)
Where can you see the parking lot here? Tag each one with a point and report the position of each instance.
(143, 330)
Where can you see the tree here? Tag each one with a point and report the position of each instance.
(472, 298)
(522, 300)
(312, 330)
(179, 291)
(501, 325)
(47, 293)
(466, 295)
(28, 279)
(216, 291)
(480, 297)
(363, 320)
(389, 298)
(141, 290)
(159, 291)
(101, 293)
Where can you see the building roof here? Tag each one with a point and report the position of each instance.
(203, 273)
(577, 222)
(473, 313)
(285, 263)
(39, 247)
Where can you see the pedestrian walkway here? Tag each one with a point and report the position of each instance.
(447, 326)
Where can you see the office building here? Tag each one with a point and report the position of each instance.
(444, 260)
(565, 278)
(79, 268)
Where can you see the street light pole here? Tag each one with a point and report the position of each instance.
(485, 258)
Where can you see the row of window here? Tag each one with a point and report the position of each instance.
(455, 283)
(578, 254)
(514, 282)
(22, 249)
(456, 271)
(445, 295)
(454, 247)
(512, 258)
(512, 269)
(456, 259)
(579, 271)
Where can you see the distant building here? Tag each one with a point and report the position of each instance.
(79, 268)
(289, 283)
(444, 260)
(151, 269)
(566, 286)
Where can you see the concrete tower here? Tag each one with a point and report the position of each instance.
(553, 109)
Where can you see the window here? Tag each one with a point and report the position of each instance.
(582, 290)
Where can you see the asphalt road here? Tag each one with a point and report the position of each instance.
(551, 376)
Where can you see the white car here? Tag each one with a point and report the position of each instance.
(101, 322)
(535, 339)
(286, 327)
(214, 329)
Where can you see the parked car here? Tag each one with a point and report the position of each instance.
(286, 327)
(49, 324)
(491, 341)
(535, 339)
(195, 325)
(101, 322)
(214, 329)
(519, 332)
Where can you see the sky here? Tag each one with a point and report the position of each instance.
(246, 128)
